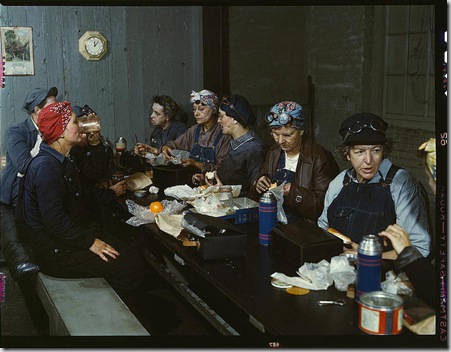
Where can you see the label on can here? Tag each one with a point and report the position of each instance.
(380, 313)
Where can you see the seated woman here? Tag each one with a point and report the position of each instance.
(166, 127)
(246, 152)
(306, 166)
(374, 193)
(53, 208)
(205, 140)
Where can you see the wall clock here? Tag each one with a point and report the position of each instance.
(93, 45)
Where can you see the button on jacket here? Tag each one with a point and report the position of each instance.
(315, 169)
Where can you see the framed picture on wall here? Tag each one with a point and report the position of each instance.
(17, 50)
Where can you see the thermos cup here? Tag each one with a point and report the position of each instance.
(369, 265)
(267, 217)
(121, 144)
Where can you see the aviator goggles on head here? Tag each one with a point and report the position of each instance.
(358, 126)
(283, 118)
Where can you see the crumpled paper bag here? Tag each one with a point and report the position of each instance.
(395, 284)
(212, 206)
(342, 272)
(313, 276)
(138, 180)
(278, 193)
(171, 224)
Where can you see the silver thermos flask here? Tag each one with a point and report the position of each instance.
(369, 265)
(267, 218)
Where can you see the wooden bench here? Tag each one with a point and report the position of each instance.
(85, 307)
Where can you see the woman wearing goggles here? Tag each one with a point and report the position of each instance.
(305, 167)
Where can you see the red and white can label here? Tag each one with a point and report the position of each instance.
(380, 321)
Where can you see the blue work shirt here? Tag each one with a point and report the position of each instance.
(159, 136)
(410, 206)
(242, 164)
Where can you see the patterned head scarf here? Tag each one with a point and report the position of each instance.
(285, 112)
(429, 148)
(53, 120)
(206, 97)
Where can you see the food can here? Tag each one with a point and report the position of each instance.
(380, 313)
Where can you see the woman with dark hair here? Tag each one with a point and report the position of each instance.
(166, 127)
(373, 193)
(306, 166)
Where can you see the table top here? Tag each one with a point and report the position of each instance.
(247, 282)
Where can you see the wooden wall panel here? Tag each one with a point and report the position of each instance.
(152, 50)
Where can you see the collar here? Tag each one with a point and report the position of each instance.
(236, 143)
(57, 155)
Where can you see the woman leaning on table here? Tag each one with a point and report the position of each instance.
(306, 166)
(53, 205)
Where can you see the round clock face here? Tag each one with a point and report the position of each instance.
(94, 46)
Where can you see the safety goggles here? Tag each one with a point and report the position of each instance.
(225, 101)
(282, 118)
(358, 126)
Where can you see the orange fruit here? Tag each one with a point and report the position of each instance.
(156, 207)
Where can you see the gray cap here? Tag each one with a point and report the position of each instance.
(37, 96)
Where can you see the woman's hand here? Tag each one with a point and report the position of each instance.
(217, 179)
(286, 188)
(263, 184)
(103, 249)
(193, 163)
(198, 179)
(398, 236)
(140, 148)
(166, 150)
(119, 188)
(353, 250)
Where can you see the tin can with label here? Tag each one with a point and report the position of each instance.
(267, 218)
(369, 265)
(380, 313)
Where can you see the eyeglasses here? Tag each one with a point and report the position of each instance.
(358, 126)
(225, 101)
(283, 118)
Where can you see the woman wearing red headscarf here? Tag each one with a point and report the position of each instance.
(53, 205)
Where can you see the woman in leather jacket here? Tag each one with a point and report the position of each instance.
(305, 166)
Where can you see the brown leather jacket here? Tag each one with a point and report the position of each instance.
(316, 168)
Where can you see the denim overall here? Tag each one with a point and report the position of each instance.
(283, 174)
(363, 208)
(204, 154)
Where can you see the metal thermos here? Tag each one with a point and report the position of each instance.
(267, 217)
(121, 144)
(369, 265)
